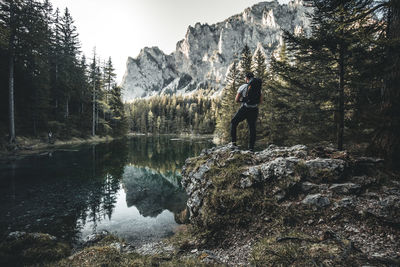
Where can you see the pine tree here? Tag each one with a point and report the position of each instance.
(69, 50)
(94, 77)
(324, 68)
(109, 73)
(119, 120)
(10, 11)
(109, 82)
(245, 64)
(228, 107)
(259, 65)
(260, 71)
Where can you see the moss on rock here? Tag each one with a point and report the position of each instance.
(22, 248)
(298, 249)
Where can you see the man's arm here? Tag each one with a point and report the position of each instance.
(237, 99)
(261, 98)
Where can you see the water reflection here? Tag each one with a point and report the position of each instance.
(151, 192)
(117, 186)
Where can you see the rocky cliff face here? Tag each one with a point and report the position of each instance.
(202, 58)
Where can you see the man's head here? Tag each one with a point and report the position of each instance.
(249, 76)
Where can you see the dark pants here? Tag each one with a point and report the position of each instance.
(250, 114)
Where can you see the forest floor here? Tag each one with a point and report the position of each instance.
(27, 146)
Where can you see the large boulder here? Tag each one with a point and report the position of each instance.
(225, 179)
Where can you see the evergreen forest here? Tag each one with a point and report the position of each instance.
(47, 84)
(338, 84)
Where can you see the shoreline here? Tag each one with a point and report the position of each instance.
(181, 135)
(27, 146)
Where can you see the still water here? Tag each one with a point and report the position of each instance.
(128, 187)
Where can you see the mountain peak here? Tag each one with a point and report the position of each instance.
(202, 58)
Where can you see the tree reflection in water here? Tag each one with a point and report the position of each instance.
(61, 192)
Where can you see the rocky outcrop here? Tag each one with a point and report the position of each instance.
(324, 199)
(201, 60)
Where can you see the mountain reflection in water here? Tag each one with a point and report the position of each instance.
(129, 187)
(151, 192)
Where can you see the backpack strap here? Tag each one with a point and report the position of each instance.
(249, 86)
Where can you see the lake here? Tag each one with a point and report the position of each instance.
(128, 187)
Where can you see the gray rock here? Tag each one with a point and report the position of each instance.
(346, 188)
(19, 235)
(278, 168)
(387, 208)
(298, 151)
(16, 235)
(326, 169)
(198, 175)
(117, 245)
(316, 200)
(246, 182)
(156, 248)
(364, 180)
(94, 238)
(344, 202)
(307, 187)
(251, 175)
(194, 202)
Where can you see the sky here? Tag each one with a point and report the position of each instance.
(121, 28)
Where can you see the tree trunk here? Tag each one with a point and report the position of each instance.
(34, 125)
(11, 76)
(94, 110)
(386, 142)
(67, 109)
(340, 119)
(340, 123)
(97, 118)
(11, 98)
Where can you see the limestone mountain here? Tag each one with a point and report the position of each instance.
(201, 60)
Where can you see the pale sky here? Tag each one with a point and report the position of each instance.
(121, 28)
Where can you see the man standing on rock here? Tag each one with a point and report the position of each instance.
(250, 96)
